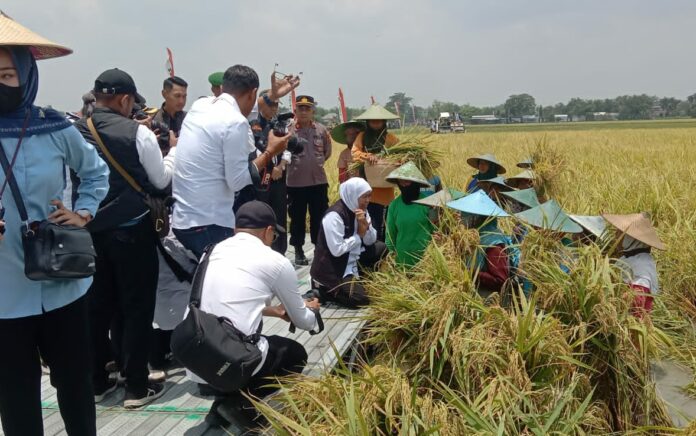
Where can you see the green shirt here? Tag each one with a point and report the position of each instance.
(408, 231)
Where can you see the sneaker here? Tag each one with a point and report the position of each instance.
(100, 394)
(134, 400)
(111, 366)
(233, 411)
(300, 258)
(157, 376)
(118, 378)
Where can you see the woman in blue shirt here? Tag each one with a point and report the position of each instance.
(42, 319)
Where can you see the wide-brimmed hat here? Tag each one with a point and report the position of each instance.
(515, 180)
(408, 171)
(638, 226)
(376, 112)
(549, 216)
(478, 203)
(500, 181)
(527, 197)
(526, 163)
(13, 33)
(441, 198)
(592, 223)
(488, 157)
(338, 133)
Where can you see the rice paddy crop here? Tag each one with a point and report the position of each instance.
(570, 359)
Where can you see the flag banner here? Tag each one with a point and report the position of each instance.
(170, 63)
(342, 105)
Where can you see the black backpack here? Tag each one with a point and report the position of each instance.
(210, 346)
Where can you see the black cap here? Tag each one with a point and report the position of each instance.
(114, 82)
(306, 100)
(257, 215)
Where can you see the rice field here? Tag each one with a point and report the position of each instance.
(569, 360)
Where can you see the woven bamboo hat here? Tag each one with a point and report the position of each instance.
(440, 198)
(515, 180)
(410, 172)
(488, 157)
(637, 226)
(526, 163)
(592, 223)
(527, 197)
(338, 133)
(549, 216)
(13, 33)
(478, 203)
(497, 181)
(376, 112)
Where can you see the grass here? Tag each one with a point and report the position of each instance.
(570, 360)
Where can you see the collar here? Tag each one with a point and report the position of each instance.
(247, 238)
(164, 112)
(311, 125)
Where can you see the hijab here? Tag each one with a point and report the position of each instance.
(351, 190)
(40, 120)
(490, 174)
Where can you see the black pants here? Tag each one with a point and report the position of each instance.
(277, 198)
(61, 338)
(351, 293)
(316, 199)
(125, 286)
(160, 349)
(378, 215)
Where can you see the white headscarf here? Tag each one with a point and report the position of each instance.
(630, 244)
(639, 269)
(352, 189)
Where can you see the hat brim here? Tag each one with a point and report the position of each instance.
(338, 133)
(395, 180)
(637, 227)
(139, 99)
(474, 161)
(14, 34)
(305, 104)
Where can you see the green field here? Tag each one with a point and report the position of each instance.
(585, 125)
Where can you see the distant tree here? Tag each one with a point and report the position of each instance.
(403, 101)
(669, 105)
(635, 107)
(691, 109)
(520, 104)
(578, 107)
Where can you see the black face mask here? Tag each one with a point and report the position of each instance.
(10, 98)
(410, 193)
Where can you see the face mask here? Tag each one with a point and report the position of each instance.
(410, 193)
(10, 98)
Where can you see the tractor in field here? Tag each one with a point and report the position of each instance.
(448, 123)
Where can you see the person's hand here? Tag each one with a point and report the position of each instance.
(277, 144)
(363, 225)
(282, 87)
(277, 173)
(147, 122)
(66, 217)
(313, 303)
(372, 159)
(2, 229)
(173, 140)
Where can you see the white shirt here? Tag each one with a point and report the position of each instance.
(242, 278)
(159, 171)
(212, 163)
(640, 270)
(334, 232)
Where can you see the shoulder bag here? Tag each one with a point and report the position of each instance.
(160, 207)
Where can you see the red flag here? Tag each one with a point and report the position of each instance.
(170, 63)
(344, 113)
(396, 106)
(373, 99)
(293, 102)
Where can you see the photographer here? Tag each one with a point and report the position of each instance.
(213, 158)
(242, 277)
(171, 115)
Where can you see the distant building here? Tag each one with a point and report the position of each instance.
(605, 116)
(486, 119)
(657, 112)
(561, 118)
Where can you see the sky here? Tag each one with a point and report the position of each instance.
(476, 52)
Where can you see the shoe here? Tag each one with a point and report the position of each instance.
(118, 378)
(100, 394)
(134, 400)
(300, 258)
(157, 376)
(234, 411)
(111, 366)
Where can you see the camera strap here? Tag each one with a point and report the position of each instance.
(111, 159)
(10, 179)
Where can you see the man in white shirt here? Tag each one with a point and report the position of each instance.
(213, 160)
(244, 274)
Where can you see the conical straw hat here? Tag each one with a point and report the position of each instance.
(408, 171)
(338, 133)
(13, 33)
(497, 181)
(637, 226)
(478, 203)
(527, 197)
(515, 180)
(549, 216)
(592, 223)
(526, 163)
(488, 157)
(376, 112)
(440, 198)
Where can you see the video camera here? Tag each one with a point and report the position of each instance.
(280, 125)
(155, 126)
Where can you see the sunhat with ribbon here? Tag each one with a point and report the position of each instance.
(440, 198)
(592, 223)
(638, 226)
(408, 171)
(527, 197)
(478, 203)
(488, 157)
(515, 180)
(338, 133)
(13, 33)
(376, 112)
(549, 216)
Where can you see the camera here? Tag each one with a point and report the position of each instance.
(162, 127)
(279, 124)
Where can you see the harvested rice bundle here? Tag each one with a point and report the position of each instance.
(549, 165)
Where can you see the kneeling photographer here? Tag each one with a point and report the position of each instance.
(232, 290)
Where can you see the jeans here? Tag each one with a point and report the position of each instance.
(197, 239)
(61, 338)
(316, 199)
(124, 288)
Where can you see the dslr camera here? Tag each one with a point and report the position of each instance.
(155, 126)
(280, 124)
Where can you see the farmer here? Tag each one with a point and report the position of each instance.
(495, 260)
(493, 187)
(437, 202)
(408, 225)
(640, 271)
(488, 167)
(368, 145)
(522, 200)
(347, 243)
(523, 180)
(345, 134)
(593, 228)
